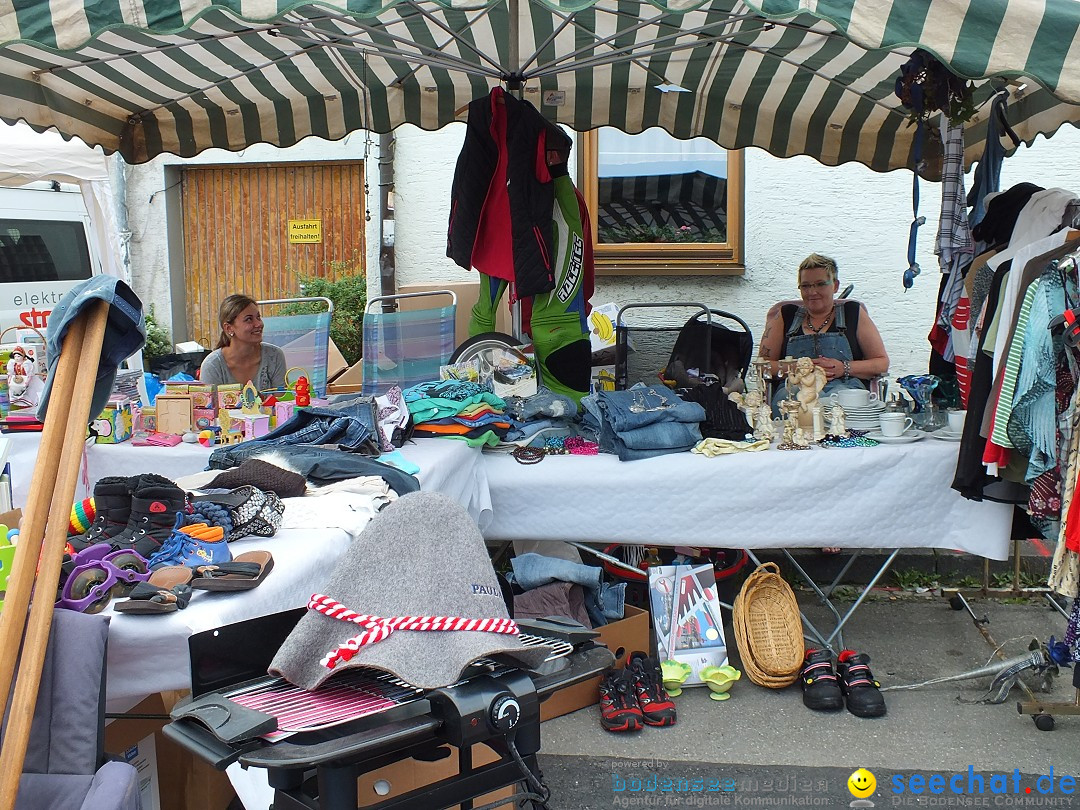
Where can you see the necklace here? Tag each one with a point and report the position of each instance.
(817, 330)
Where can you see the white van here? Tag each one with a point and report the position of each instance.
(45, 250)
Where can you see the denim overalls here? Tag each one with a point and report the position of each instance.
(834, 345)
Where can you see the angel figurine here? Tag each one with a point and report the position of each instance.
(810, 379)
(837, 421)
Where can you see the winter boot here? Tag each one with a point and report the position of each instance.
(155, 500)
(657, 709)
(821, 690)
(112, 505)
(864, 699)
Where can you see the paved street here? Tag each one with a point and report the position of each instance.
(764, 748)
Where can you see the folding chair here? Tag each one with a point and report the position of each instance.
(406, 347)
(304, 337)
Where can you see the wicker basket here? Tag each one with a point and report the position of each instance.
(768, 628)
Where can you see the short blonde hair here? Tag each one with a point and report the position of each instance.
(817, 260)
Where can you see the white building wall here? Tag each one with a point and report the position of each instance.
(793, 207)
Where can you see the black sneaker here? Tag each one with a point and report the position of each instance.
(821, 690)
(859, 685)
(657, 708)
(619, 710)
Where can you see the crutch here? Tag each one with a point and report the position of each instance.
(39, 553)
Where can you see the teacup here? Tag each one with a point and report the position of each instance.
(956, 419)
(894, 424)
(852, 397)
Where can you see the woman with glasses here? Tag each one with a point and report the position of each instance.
(838, 336)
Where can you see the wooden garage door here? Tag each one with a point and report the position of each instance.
(236, 236)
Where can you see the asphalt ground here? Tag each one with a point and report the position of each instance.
(763, 748)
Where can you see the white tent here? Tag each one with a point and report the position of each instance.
(27, 157)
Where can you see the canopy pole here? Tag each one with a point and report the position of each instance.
(514, 82)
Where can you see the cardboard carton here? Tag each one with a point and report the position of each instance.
(622, 637)
(392, 781)
(180, 779)
(468, 293)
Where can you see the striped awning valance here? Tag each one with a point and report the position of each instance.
(814, 77)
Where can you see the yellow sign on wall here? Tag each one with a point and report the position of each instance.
(305, 231)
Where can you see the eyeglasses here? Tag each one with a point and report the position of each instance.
(816, 285)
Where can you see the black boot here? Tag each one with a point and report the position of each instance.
(154, 504)
(112, 505)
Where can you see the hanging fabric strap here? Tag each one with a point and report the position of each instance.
(913, 268)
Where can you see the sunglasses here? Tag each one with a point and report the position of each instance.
(815, 285)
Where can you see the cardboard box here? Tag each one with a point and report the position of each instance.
(602, 378)
(350, 381)
(183, 780)
(468, 293)
(394, 780)
(202, 396)
(622, 638)
(228, 396)
(115, 424)
(203, 418)
(335, 361)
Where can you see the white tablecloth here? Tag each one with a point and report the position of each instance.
(148, 654)
(890, 496)
(450, 467)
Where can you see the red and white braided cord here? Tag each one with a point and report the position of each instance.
(377, 627)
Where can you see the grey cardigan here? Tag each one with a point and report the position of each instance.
(271, 373)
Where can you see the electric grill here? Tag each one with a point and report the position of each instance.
(314, 744)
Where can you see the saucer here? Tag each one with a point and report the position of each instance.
(908, 436)
(947, 435)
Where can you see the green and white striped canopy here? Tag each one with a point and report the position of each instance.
(794, 77)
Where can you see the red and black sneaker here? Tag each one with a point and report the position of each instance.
(657, 709)
(619, 710)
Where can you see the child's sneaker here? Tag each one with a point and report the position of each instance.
(657, 708)
(859, 685)
(193, 545)
(821, 690)
(619, 710)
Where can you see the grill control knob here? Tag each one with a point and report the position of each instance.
(504, 713)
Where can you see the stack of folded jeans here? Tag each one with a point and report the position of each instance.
(641, 422)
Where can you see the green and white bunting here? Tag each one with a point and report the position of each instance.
(812, 77)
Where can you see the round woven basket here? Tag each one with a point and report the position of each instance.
(768, 628)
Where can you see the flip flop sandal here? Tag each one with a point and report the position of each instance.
(245, 572)
(166, 591)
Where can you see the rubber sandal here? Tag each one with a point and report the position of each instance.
(246, 571)
(166, 591)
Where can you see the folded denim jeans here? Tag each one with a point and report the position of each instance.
(603, 601)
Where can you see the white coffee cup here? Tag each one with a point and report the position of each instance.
(894, 424)
(852, 397)
(956, 419)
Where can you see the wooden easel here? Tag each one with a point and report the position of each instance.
(25, 622)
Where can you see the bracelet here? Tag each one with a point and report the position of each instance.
(847, 369)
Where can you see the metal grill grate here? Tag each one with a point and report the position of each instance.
(351, 695)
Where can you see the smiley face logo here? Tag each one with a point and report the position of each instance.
(861, 783)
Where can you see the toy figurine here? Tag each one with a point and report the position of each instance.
(20, 368)
(303, 392)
